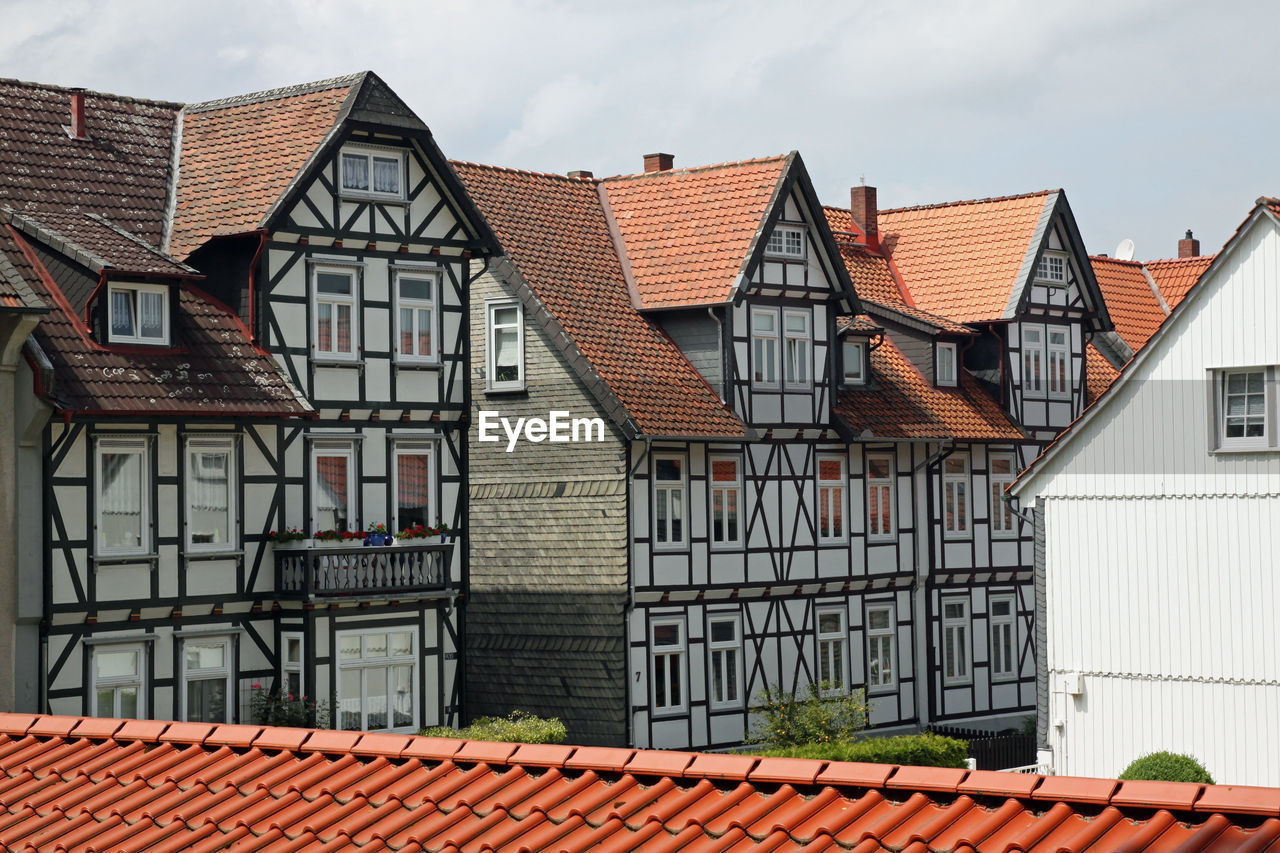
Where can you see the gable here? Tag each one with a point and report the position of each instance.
(796, 255)
(1056, 278)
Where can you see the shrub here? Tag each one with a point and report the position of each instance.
(519, 727)
(814, 716)
(1167, 767)
(925, 750)
(277, 708)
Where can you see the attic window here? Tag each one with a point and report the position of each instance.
(373, 172)
(785, 242)
(1052, 268)
(138, 314)
(855, 362)
(946, 365)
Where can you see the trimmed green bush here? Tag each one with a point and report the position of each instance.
(815, 715)
(925, 750)
(518, 727)
(1167, 767)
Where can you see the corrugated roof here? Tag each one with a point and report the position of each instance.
(143, 785)
(1131, 302)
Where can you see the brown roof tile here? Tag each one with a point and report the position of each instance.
(101, 244)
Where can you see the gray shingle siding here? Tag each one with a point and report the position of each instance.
(698, 337)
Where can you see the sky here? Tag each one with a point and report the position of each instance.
(1155, 116)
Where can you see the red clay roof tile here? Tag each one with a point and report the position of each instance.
(1239, 799)
(1131, 302)
(1176, 276)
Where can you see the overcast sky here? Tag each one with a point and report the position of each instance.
(1154, 116)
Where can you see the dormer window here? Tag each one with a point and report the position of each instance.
(854, 356)
(1052, 269)
(138, 314)
(945, 373)
(373, 172)
(786, 242)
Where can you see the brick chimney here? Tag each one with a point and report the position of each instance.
(581, 174)
(658, 162)
(1188, 247)
(77, 129)
(862, 205)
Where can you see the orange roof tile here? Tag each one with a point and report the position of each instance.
(1176, 276)
(554, 230)
(1098, 372)
(962, 260)
(688, 233)
(1132, 304)
(107, 790)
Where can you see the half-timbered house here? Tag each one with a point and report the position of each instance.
(259, 324)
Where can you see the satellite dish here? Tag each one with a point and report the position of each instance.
(1124, 251)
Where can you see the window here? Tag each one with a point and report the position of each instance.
(332, 487)
(880, 477)
(1242, 406)
(138, 314)
(333, 334)
(833, 640)
(417, 332)
(291, 664)
(374, 172)
(955, 496)
(117, 681)
(785, 242)
(504, 345)
(831, 481)
(1033, 361)
(855, 362)
(206, 679)
(1052, 269)
(1004, 663)
(955, 641)
(668, 501)
(377, 680)
(881, 660)
(414, 486)
(725, 644)
(211, 494)
(946, 366)
(667, 646)
(123, 497)
(726, 500)
(1000, 474)
(799, 361)
(764, 347)
(1059, 362)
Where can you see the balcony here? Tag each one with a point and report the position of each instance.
(322, 570)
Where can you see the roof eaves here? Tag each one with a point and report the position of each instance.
(31, 302)
(772, 212)
(835, 261)
(32, 227)
(915, 320)
(1034, 248)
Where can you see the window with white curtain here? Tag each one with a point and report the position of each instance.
(413, 485)
(724, 646)
(211, 494)
(374, 172)
(123, 496)
(1033, 366)
(334, 330)
(332, 486)
(831, 499)
(377, 679)
(798, 348)
(417, 338)
(764, 347)
(1001, 613)
(206, 679)
(117, 672)
(955, 496)
(955, 641)
(504, 339)
(138, 314)
(1059, 354)
(1001, 473)
(726, 500)
(833, 648)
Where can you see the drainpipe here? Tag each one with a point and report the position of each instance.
(923, 550)
(711, 312)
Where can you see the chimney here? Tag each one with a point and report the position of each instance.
(581, 174)
(862, 205)
(77, 129)
(658, 162)
(1188, 247)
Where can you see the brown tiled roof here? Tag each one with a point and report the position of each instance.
(902, 403)
(121, 171)
(145, 785)
(689, 232)
(1176, 276)
(239, 155)
(1133, 305)
(554, 230)
(99, 244)
(962, 260)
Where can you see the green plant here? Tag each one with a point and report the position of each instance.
(379, 529)
(923, 750)
(277, 708)
(292, 534)
(518, 727)
(1028, 726)
(420, 532)
(1167, 767)
(815, 715)
(337, 535)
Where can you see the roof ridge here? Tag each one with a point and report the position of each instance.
(277, 93)
(992, 199)
(1181, 260)
(1117, 260)
(528, 172)
(727, 163)
(54, 87)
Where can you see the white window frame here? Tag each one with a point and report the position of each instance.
(724, 490)
(369, 152)
(289, 668)
(334, 448)
(1220, 383)
(364, 664)
(416, 305)
(882, 645)
(1006, 625)
(1058, 355)
(951, 378)
(335, 301)
(223, 673)
(1036, 353)
(1046, 275)
(780, 246)
(491, 307)
(1004, 523)
(729, 653)
(838, 639)
(137, 289)
(674, 664)
(141, 447)
(833, 497)
(666, 492)
(878, 488)
(766, 350)
(137, 681)
(956, 630)
(957, 524)
(859, 376)
(414, 448)
(228, 445)
(797, 349)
